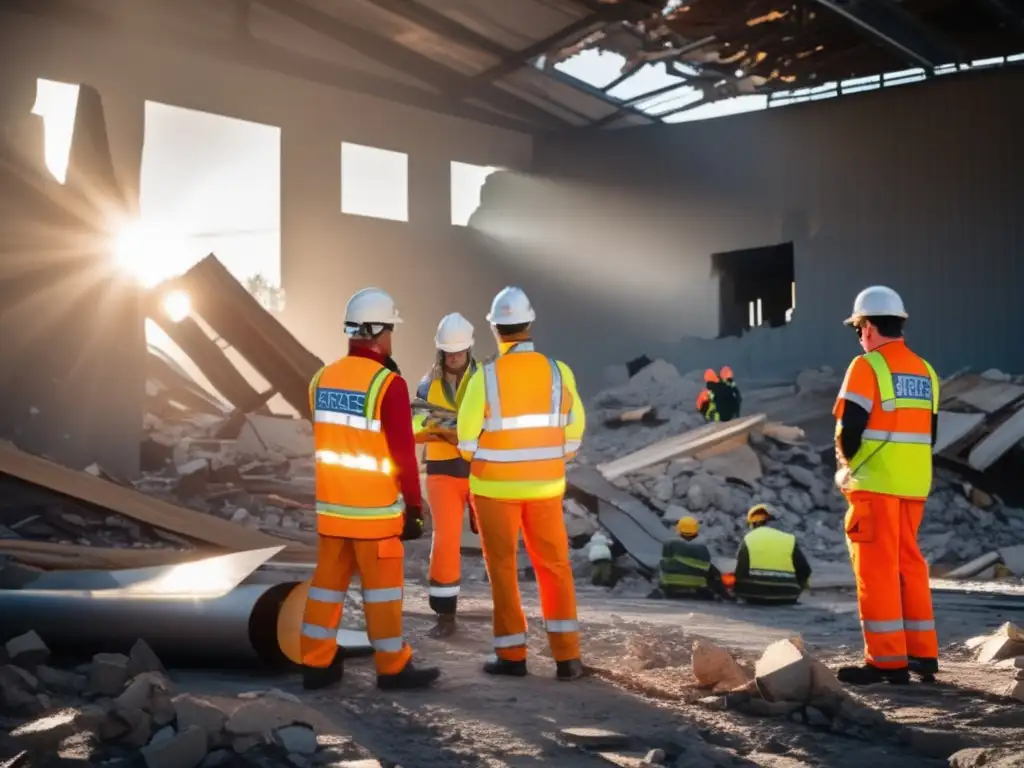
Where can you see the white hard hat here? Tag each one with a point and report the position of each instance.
(876, 301)
(454, 333)
(511, 307)
(369, 307)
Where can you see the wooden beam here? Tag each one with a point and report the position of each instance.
(439, 24)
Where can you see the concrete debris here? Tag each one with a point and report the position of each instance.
(977, 757)
(27, 650)
(108, 674)
(1005, 643)
(783, 673)
(594, 738)
(714, 667)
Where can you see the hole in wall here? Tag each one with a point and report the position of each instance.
(757, 287)
(374, 182)
(467, 182)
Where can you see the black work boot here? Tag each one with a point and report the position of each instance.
(315, 678)
(869, 675)
(926, 669)
(445, 626)
(410, 678)
(570, 670)
(506, 668)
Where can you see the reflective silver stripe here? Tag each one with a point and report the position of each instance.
(510, 641)
(491, 390)
(529, 421)
(571, 446)
(881, 627)
(318, 633)
(388, 595)
(388, 644)
(523, 346)
(562, 625)
(888, 659)
(919, 626)
(556, 389)
(325, 595)
(888, 405)
(915, 438)
(469, 446)
(866, 403)
(772, 574)
(443, 591)
(346, 420)
(509, 455)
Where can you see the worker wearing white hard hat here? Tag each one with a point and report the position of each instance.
(886, 423)
(447, 472)
(520, 420)
(367, 498)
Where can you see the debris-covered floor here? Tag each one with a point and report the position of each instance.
(642, 700)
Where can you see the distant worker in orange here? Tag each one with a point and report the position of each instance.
(729, 380)
(367, 498)
(886, 422)
(447, 471)
(717, 401)
(520, 420)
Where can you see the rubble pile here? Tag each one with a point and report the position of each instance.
(776, 465)
(123, 706)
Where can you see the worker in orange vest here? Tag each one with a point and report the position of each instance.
(520, 419)
(886, 423)
(447, 471)
(367, 498)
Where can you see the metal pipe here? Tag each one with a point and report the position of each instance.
(237, 628)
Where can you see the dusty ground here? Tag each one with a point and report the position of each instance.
(643, 687)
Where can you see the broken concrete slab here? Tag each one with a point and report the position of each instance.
(1013, 558)
(192, 711)
(61, 681)
(974, 567)
(273, 435)
(978, 757)
(783, 673)
(988, 451)
(299, 739)
(142, 658)
(954, 427)
(594, 738)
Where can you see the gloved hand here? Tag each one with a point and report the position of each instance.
(473, 525)
(842, 477)
(412, 523)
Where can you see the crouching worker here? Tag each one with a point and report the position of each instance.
(602, 563)
(770, 567)
(365, 456)
(686, 570)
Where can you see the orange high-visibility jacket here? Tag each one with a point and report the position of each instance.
(357, 493)
(529, 426)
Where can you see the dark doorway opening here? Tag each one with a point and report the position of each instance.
(757, 287)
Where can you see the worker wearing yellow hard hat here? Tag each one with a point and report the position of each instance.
(686, 570)
(770, 568)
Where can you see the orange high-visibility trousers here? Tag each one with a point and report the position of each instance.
(448, 497)
(379, 564)
(893, 593)
(547, 544)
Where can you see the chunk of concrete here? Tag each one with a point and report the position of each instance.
(1016, 690)
(1013, 558)
(108, 673)
(300, 739)
(260, 716)
(27, 650)
(186, 750)
(783, 673)
(263, 435)
(1004, 643)
(714, 667)
(16, 696)
(60, 681)
(989, 758)
(140, 691)
(143, 659)
(195, 712)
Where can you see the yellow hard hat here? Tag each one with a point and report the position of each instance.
(688, 526)
(758, 513)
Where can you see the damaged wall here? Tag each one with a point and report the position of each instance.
(916, 186)
(430, 266)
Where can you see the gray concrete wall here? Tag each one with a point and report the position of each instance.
(915, 186)
(430, 266)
